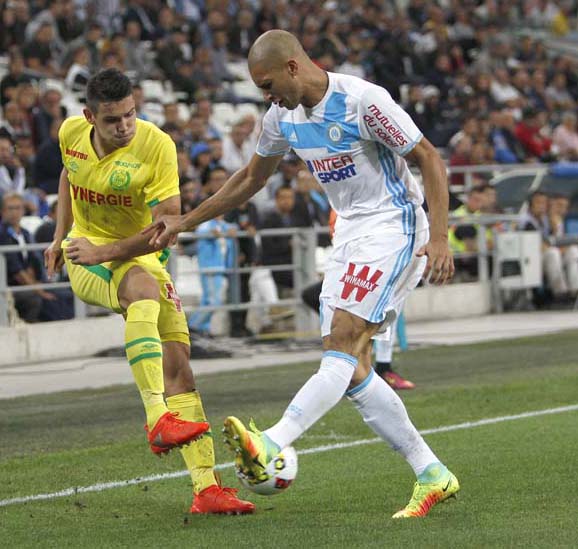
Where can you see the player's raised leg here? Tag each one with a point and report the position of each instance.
(349, 335)
(183, 398)
(384, 412)
(138, 294)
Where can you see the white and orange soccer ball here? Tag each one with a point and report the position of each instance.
(281, 472)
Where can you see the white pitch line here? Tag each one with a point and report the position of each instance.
(100, 487)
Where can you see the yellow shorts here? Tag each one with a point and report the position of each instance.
(98, 285)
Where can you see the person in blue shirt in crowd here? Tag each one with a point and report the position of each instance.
(214, 255)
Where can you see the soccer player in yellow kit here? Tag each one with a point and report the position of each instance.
(119, 174)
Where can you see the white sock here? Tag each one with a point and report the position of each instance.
(385, 413)
(321, 392)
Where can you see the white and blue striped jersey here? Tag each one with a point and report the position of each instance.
(353, 141)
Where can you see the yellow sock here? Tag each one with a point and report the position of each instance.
(200, 455)
(145, 356)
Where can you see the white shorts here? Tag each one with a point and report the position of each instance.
(371, 277)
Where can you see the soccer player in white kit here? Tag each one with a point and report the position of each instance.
(354, 138)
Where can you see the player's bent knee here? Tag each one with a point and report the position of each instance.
(350, 333)
(137, 285)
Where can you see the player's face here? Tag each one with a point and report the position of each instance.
(279, 86)
(115, 123)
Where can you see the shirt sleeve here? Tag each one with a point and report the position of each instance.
(271, 141)
(382, 120)
(165, 174)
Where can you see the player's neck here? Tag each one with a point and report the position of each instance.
(100, 148)
(316, 88)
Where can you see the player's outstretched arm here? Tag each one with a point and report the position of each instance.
(440, 263)
(53, 258)
(239, 188)
(82, 252)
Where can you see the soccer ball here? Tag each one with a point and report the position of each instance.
(281, 472)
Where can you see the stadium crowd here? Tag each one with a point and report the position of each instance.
(472, 75)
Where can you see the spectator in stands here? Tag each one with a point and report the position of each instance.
(461, 156)
(69, 23)
(12, 175)
(79, 72)
(48, 162)
(204, 108)
(49, 109)
(191, 194)
(558, 207)
(164, 26)
(142, 12)
(186, 169)
(242, 34)
(14, 77)
(139, 101)
(92, 41)
(246, 218)
(220, 56)
(173, 52)
(23, 268)
(47, 17)
(196, 131)
(175, 131)
(538, 98)
(560, 263)
(25, 152)
(214, 254)
(15, 123)
(40, 53)
(529, 133)
(311, 204)
(137, 55)
(286, 176)
(463, 238)
(237, 149)
(12, 28)
(45, 231)
(201, 156)
(565, 137)
(507, 148)
(203, 73)
(558, 93)
(172, 115)
(216, 145)
(504, 93)
(213, 179)
(277, 250)
(353, 64)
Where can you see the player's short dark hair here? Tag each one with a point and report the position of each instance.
(107, 86)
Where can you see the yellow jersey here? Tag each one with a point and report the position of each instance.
(112, 196)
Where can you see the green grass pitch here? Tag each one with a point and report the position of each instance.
(518, 477)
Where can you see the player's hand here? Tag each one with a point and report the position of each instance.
(163, 232)
(82, 251)
(440, 262)
(53, 258)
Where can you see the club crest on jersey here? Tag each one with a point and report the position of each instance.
(72, 166)
(334, 168)
(335, 133)
(359, 282)
(119, 180)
